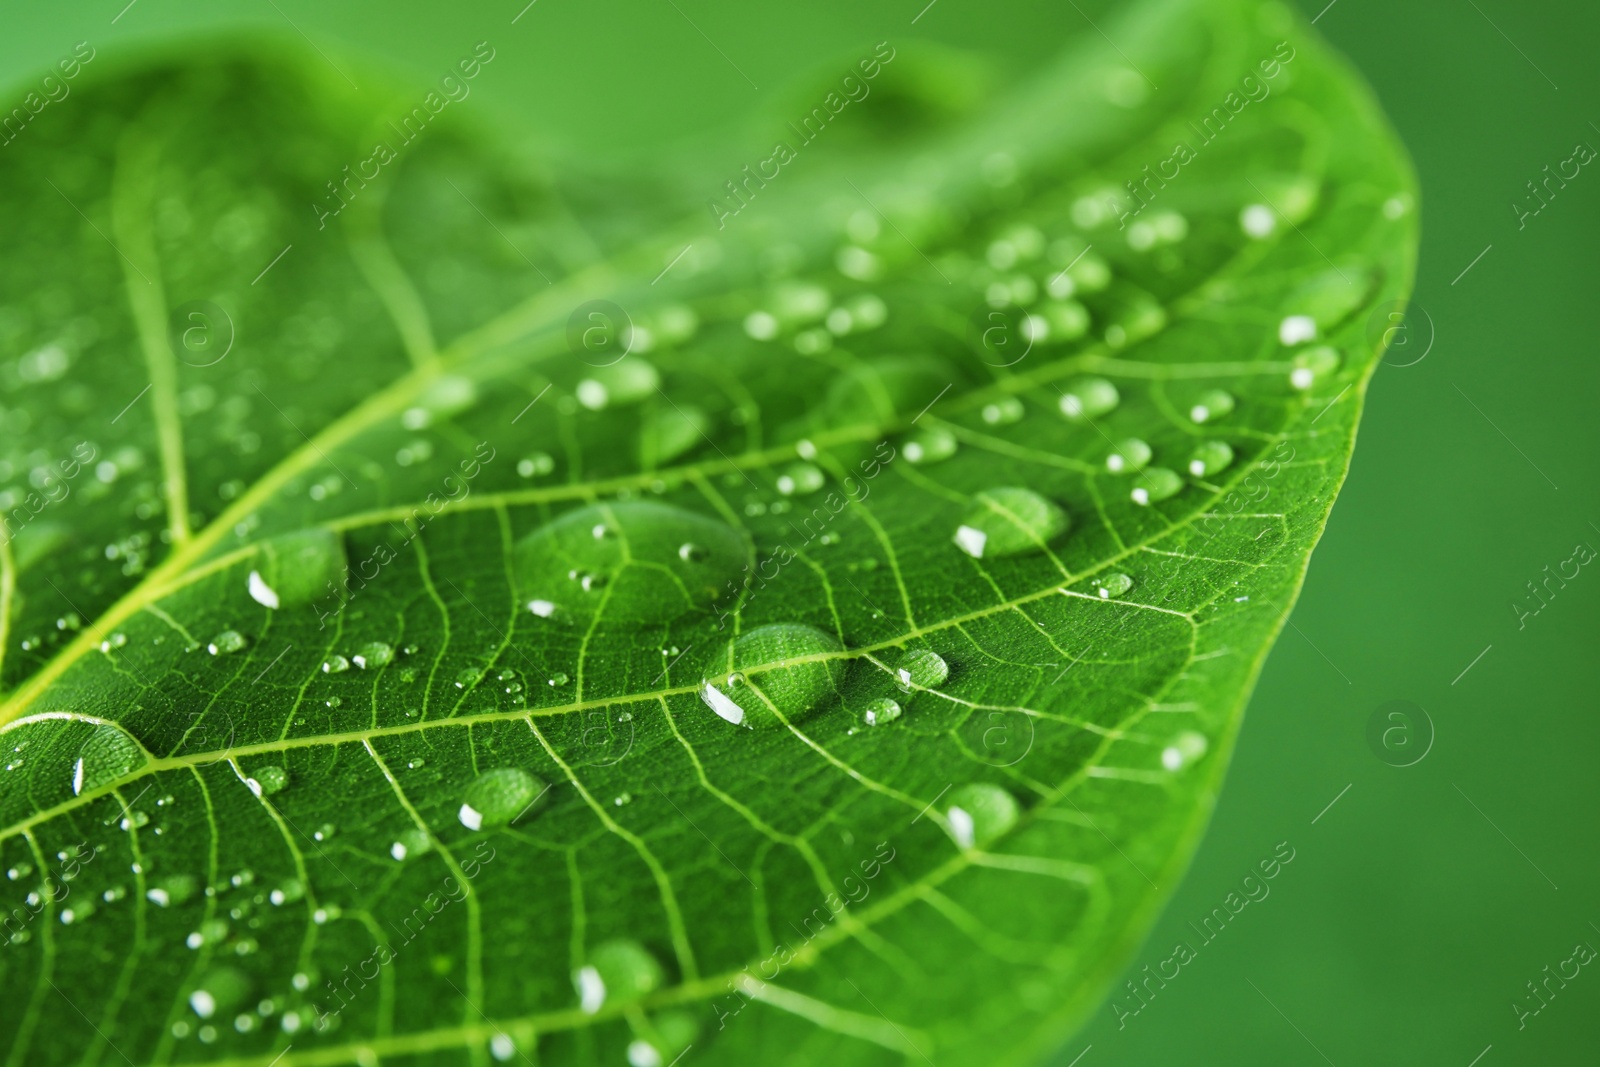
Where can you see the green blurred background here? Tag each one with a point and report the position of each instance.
(1420, 903)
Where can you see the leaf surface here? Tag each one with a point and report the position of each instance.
(408, 660)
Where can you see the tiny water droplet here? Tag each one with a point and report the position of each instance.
(929, 446)
(116, 640)
(1003, 412)
(1311, 364)
(558, 679)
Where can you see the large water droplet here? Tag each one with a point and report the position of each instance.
(921, 668)
(1089, 398)
(1210, 457)
(110, 753)
(1311, 364)
(626, 382)
(1153, 484)
(669, 431)
(497, 797)
(1008, 521)
(637, 570)
(616, 972)
(227, 641)
(979, 813)
(772, 669)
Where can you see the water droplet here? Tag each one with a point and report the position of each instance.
(616, 972)
(639, 571)
(1185, 749)
(1258, 221)
(1003, 412)
(109, 754)
(1153, 484)
(979, 813)
(373, 654)
(921, 668)
(1008, 521)
(1089, 398)
(880, 711)
(787, 668)
(411, 842)
(501, 1047)
(1113, 585)
(1311, 364)
(1212, 405)
(1210, 457)
(335, 664)
(300, 568)
(225, 642)
(468, 677)
(268, 780)
(1129, 456)
(799, 479)
(1297, 329)
(116, 640)
(559, 679)
(497, 797)
(929, 446)
(536, 464)
(174, 889)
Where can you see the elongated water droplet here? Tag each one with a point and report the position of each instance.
(651, 564)
(497, 797)
(110, 753)
(268, 780)
(373, 654)
(1153, 484)
(1089, 398)
(1210, 457)
(978, 813)
(786, 669)
(880, 711)
(1129, 456)
(921, 668)
(225, 642)
(1008, 521)
(616, 972)
(1211, 406)
(335, 664)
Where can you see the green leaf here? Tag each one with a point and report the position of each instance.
(458, 627)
